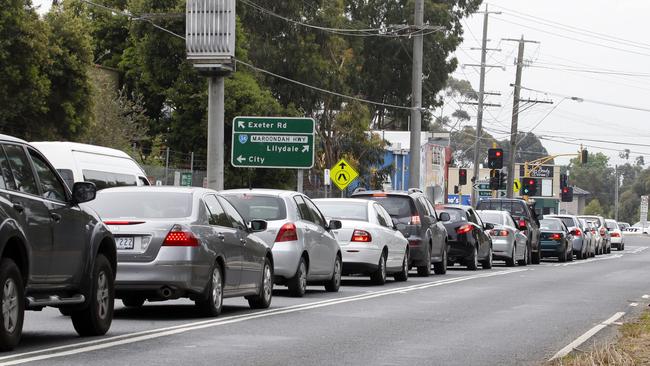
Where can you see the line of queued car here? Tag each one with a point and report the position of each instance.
(68, 245)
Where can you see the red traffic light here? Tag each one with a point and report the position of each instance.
(462, 172)
(497, 154)
(531, 182)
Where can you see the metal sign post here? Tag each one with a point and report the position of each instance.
(644, 212)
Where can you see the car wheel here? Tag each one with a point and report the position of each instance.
(13, 305)
(523, 262)
(561, 257)
(133, 302)
(263, 299)
(335, 282)
(97, 317)
(510, 262)
(472, 262)
(403, 275)
(425, 271)
(536, 258)
(211, 303)
(379, 276)
(298, 283)
(487, 263)
(440, 268)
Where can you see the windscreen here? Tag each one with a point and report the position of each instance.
(258, 207)
(142, 205)
(455, 215)
(567, 221)
(492, 218)
(516, 209)
(344, 210)
(553, 225)
(401, 208)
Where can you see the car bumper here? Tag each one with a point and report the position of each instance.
(502, 247)
(617, 240)
(360, 258)
(460, 249)
(286, 256)
(418, 251)
(551, 248)
(577, 244)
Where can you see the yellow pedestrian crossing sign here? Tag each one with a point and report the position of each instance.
(342, 174)
(516, 185)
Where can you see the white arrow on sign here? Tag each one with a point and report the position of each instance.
(305, 148)
(241, 124)
(241, 159)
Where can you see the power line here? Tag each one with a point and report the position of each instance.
(591, 100)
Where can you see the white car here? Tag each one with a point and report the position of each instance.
(369, 240)
(616, 234)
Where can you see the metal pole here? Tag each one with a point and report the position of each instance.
(166, 166)
(300, 178)
(616, 193)
(416, 98)
(515, 115)
(216, 151)
(481, 95)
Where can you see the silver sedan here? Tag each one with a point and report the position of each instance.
(508, 242)
(185, 242)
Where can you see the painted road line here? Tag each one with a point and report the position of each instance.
(634, 304)
(645, 296)
(584, 337)
(615, 256)
(83, 347)
(639, 250)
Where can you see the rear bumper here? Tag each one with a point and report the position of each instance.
(286, 256)
(552, 248)
(460, 249)
(359, 258)
(418, 252)
(577, 244)
(502, 247)
(616, 240)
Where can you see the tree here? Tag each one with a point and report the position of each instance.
(594, 208)
(596, 177)
(529, 148)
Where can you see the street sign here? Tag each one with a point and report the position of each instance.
(643, 211)
(342, 174)
(272, 142)
(186, 179)
(516, 185)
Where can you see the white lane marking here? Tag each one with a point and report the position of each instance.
(584, 337)
(168, 331)
(614, 256)
(638, 250)
(645, 296)
(634, 304)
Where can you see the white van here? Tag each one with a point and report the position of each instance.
(103, 166)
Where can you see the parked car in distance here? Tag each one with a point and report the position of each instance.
(55, 251)
(623, 226)
(615, 234)
(369, 240)
(469, 244)
(555, 239)
(643, 229)
(579, 243)
(526, 219)
(590, 238)
(601, 227)
(305, 250)
(175, 242)
(103, 166)
(508, 242)
(417, 219)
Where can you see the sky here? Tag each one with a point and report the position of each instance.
(567, 62)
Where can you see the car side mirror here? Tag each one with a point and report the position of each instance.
(83, 192)
(334, 225)
(256, 226)
(444, 217)
(488, 226)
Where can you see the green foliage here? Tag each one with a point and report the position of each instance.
(594, 208)
(596, 177)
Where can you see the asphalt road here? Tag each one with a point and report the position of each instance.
(504, 316)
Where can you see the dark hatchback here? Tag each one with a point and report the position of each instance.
(555, 240)
(416, 218)
(469, 244)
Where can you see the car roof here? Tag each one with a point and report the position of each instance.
(459, 207)
(86, 148)
(499, 212)
(261, 191)
(503, 200)
(391, 193)
(345, 200)
(551, 219)
(161, 189)
(12, 139)
(562, 216)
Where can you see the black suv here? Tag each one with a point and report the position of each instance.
(417, 219)
(53, 252)
(526, 219)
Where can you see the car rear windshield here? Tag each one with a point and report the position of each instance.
(258, 207)
(401, 208)
(143, 205)
(611, 225)
(344, 210)
(567, 221)
(516, 209)
(455, 214)
(492, 218)
(553, 225)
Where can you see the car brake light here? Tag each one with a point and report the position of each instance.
(522, 223)
(287, 232)
(464, 229)
(361, 236)
(577, 232)
(123, 222)
(615, 235)
(180, 237)
(602, 231)
(415, 220)
(379, 195)
(556, 236)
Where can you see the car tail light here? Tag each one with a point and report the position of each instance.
(603, 231)
(615, 235)
(499, 233)
(361, 236)
(415, 220)
(379, 195)
(287, 232)
(577, 232)
(555, 236)
(123, 222)
(522, 223)
(464, 229)
(180, 237)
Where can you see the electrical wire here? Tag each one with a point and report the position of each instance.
(579, 99)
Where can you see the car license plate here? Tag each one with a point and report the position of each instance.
(124, 243)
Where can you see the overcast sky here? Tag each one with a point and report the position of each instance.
(564, 48)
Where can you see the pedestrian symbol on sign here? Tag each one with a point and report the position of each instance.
(343, 174)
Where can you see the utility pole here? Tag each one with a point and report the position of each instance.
(416, 98)
(616, 193)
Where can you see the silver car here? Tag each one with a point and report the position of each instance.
(508, 242)
(601, 232)
(185, 242)
(304, 248)
(579, 242)
(369, 240)
(590, 237)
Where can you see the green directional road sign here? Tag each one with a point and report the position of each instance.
(272, 142)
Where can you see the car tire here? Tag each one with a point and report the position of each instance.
(425, 271)
(133, 301)
(334, 283)
(263, 299)
(403, 275)
(13, 299)
(536, 258)
(487, 263)
(96, 318)
(524, 262)
(561, 257)
(510, 262)
(472, 262)
(440, 268)
(378, 277)
(569, 255)
(298, 283)
(211, 302)
(579, 256)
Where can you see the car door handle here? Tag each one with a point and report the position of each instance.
(56, 217)
(221, 236)
(18, 207)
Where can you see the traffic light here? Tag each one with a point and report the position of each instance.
(530, 187)
(495, 180)
(462, 177)
(495, 158)
(503, 180)
(564, 181)
(567, 194)
(584, 156)
(456, 190)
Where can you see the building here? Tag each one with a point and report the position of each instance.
(577, 207)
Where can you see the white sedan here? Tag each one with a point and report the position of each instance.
(369, 240)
